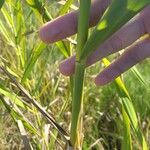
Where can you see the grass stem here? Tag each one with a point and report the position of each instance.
(76, 122)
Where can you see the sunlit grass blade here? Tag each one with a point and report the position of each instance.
(6, 34)
(12, 72)
(119, 13)
(122, 88)
(12, 37)
(39, 77)
(20, 29)
(63, 2)
(11, 96)
(8, 19)
(77, 102)
(46, 136)
(65, 7)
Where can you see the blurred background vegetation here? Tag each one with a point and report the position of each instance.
(35, 66)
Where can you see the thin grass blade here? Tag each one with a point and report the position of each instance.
(139, 76)
(36, 54)
(11, 96)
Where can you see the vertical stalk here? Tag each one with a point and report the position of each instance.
(126, 142)
(77, 106)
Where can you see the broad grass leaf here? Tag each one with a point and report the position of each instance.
(119, 13)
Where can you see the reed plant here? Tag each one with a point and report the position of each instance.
(35, 94)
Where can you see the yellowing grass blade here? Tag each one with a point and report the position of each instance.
(119, 13)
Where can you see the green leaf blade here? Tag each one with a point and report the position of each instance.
(118, 14)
